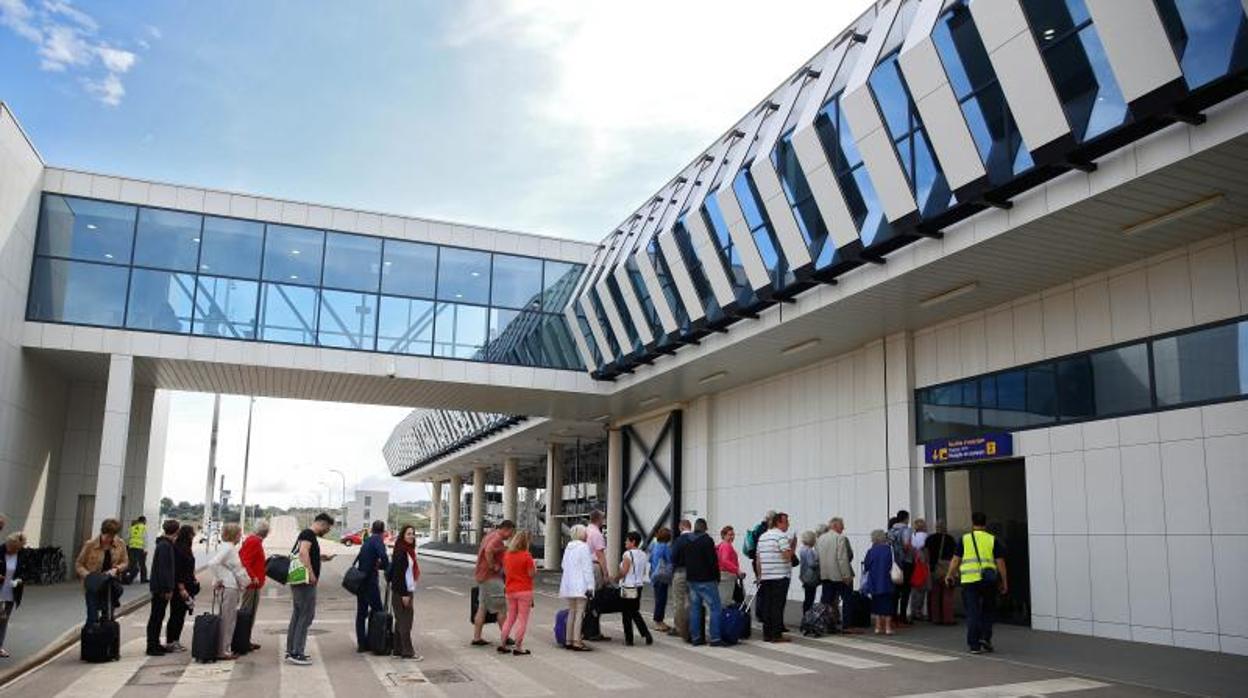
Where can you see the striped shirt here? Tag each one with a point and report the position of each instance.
(771, 548)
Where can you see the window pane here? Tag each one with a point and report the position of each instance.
(459, 330)
(293, 255)
(559, 280)
(507, 334)
(231, 247)
(167, 239)
(160, 300)
(77, 292)
(84, 229)
(410, 269)
(1208, 35)
(352, 262)
(225, 307)
(288, 314)
(347, 319)
(891, 96)
(1205, 365)
(517, 282)
(464, 275)
(406, 326)
(948, 411)
(1074, 388)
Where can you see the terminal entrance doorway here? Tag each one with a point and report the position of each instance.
(999, 489)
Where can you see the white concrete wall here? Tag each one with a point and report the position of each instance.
(32, 397)
(1136, 524)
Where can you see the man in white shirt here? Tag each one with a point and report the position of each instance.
(775, 564)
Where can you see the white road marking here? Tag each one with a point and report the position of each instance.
(547, 594)
(504, 680)
(303, 681)
(884, 648)
(449, 590)
(270, 591)
(203, 680)
(655, 658)
(589, 671)
(401, 677)
(747, 660)
(105, 680)
(1017, 690)
(844, 660)
(318, 621)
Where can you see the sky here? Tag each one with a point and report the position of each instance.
(557, 117)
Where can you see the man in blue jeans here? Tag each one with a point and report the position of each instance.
(702, 574)
(371, 560)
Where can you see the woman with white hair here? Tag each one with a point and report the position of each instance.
(232, 578)
(577, 585)
(14, 565)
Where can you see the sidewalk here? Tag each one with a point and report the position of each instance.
(50, 619)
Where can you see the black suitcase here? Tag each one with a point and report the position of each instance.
(381, 630)
(475, 601)
(206, 635)
(859, 610)
(101, 640)
(241, 642)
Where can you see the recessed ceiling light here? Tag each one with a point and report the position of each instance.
(107, 256)
(90, 226)
(713, 377)
(800, 346)
(194, 239)
(476, 273)
(294, 276)
(294, 251)
(1173, 215)
(602, 417)
(203, 266)
(388, 263)
(949, 295)
(649, 401)
(459, 295)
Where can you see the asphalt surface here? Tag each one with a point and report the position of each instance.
(861, 665)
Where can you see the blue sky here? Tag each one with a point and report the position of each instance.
(547, 116)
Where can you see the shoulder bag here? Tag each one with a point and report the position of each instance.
(627, 592)
(353, 578)
(987, 574)
(298, 573)
(895, 575)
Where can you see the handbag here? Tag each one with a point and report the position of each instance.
(809, 576)
(353, 578)
(918, 579)
(987, 574)
(631, 593)
(894, 573)
(297, 573)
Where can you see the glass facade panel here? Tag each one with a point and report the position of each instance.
(927, 181)
(558, 281)
(464, 276)
(1077, 65)
(352, 262)
(1205, 365)
(347, 320)
(410, 269)
(405, 326)
(802, 202)
(460, 330)
(697, 272)
(86, 230)
(1210, 37)
(760, 228)
(517, 282)
(160, 301)
(231, 247)
(288, 314)
(225, 307)
(293, 255)
(167, 240)
(78, 292)
(855, 184)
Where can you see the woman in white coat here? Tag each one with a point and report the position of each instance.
(232, 578)
(577, 585)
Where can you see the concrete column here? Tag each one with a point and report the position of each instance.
(905, 473)
(457, 497)
(530, 521)
(155, 475)
(110, 477)
(554, 506)
(615, 499)
(511, 468)
(435, 523)
(478, 504)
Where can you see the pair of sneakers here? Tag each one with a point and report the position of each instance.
(298, 659)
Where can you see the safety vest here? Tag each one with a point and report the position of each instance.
(972, 567)
(138, 533)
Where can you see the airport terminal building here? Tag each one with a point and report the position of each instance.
(971, 256)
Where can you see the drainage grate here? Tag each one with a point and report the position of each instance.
(441, 676)
(192, 674)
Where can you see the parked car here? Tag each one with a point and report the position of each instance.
(351, 539)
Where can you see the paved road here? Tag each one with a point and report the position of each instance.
(857, 666)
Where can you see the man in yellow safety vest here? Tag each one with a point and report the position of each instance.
(136, 550)
(979, 560)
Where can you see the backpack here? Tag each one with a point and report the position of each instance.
(819, 620)
(751, 540)
(896, 541)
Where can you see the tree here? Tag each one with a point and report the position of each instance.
(166, 505)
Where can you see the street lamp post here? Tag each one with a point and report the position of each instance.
(343, 521)
(242, 517)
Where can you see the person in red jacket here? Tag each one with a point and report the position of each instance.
(253, 558)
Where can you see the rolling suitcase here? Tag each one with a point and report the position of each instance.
(240, 643)
(381, 630)
(859, 610)
(101, 640)
(561, 627)
(733, 622)
(206, 635)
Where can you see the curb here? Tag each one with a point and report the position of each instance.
(60, 644)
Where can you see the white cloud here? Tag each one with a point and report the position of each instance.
(639, 88)
(64, 39)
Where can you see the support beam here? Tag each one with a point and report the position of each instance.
(155, 475)
(478, 504)
(511, 467)
(615, 499)
(435, 523)
(554, 507)
(457, 498)
(114, 440)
